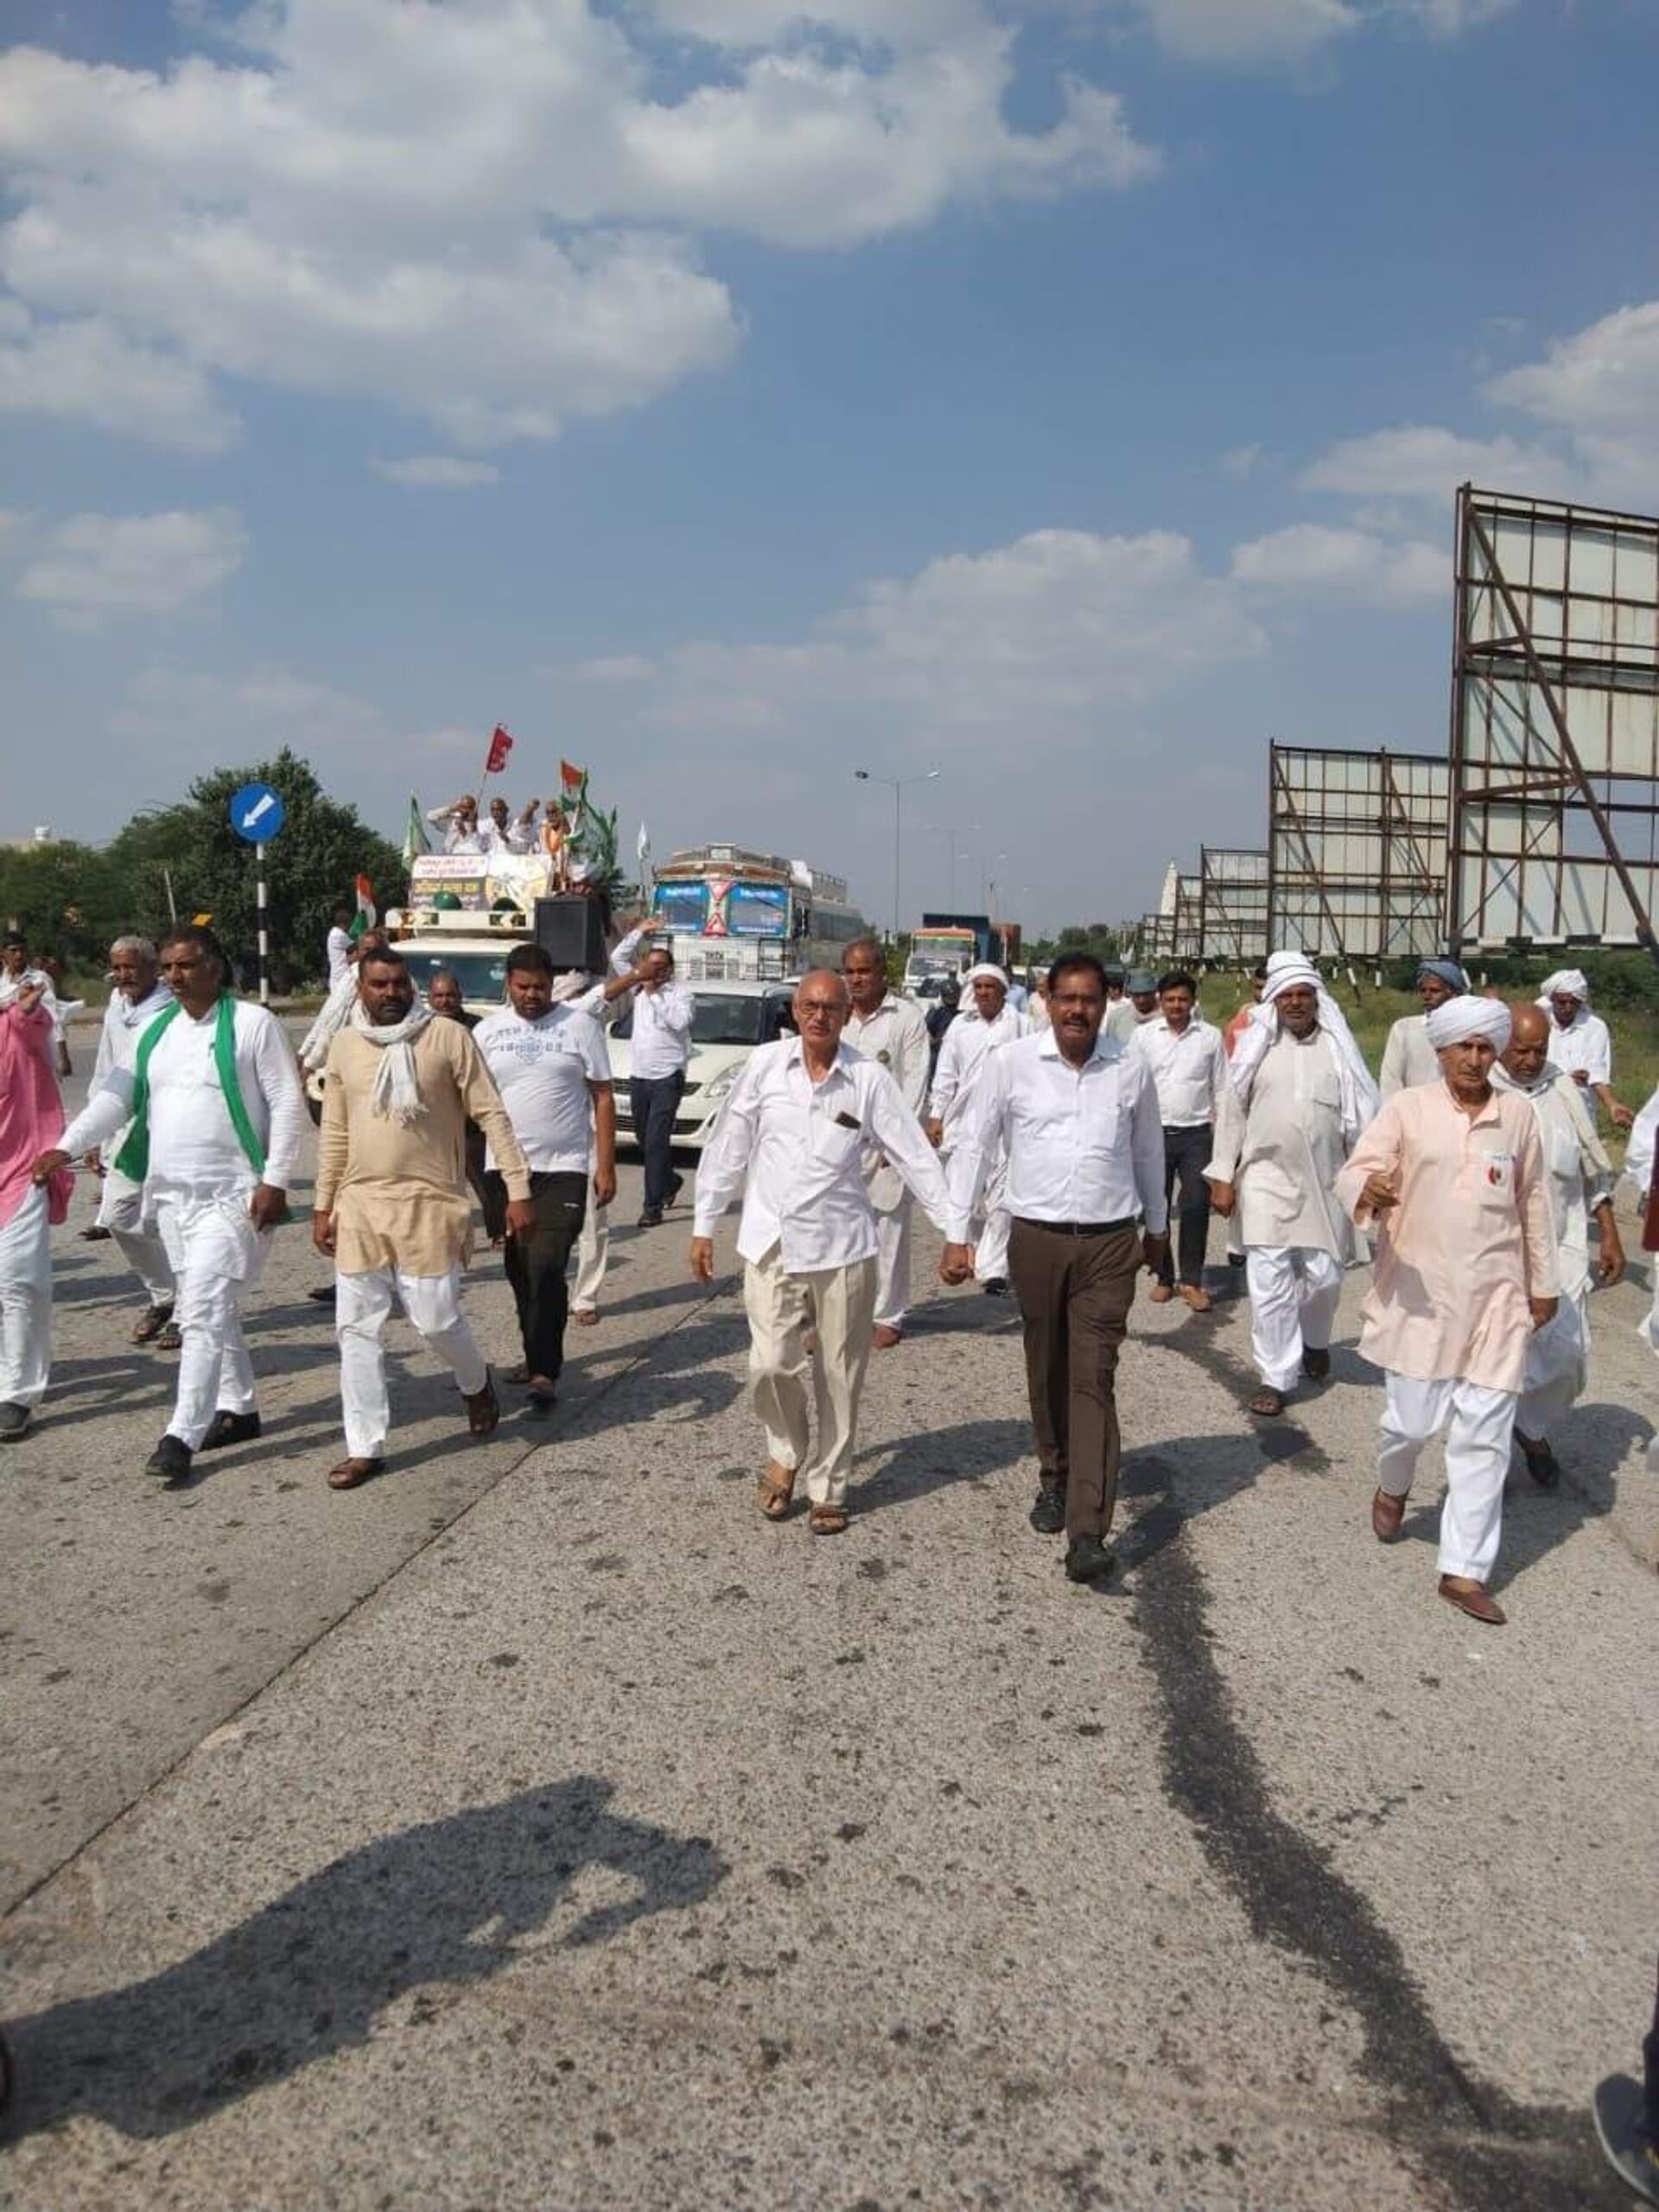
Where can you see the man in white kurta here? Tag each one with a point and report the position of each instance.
(1580, 1186)
(791, 1137)
(1451, 1176)
(1641, 1162)
(1299, 1097)
(1581, 1043)
(1408, 1058)
(138, 994)
(217, 1122)
(587, 995)
(986, 1025)
(894, 1031)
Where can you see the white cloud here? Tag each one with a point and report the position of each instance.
(1600, 388)
(443, 472)
(1243, 461)
(1422, 461)
(1451, 18)
(1309, 559)
(94, 565)
(87, 371)
(1249, 30)
(615, 668)
(488, 220)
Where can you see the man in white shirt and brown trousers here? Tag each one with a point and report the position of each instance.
(792, 1137)
(1077, 1112)
(893, 1031)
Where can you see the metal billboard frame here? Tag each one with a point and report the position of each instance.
(1356, 852)
(1555, 740)
(1232, 905)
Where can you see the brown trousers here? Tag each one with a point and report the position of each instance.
(1075, 1294)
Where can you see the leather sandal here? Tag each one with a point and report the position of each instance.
(350, 1472)
(1267, 1403)
(150, 1323)
(1473, 1599)
(777, 1490)
(827, 1519)
(484, 1408)
(1387, 1514)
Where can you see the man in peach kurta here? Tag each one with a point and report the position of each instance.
(1452, 1177)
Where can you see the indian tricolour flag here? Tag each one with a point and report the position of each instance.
(366, 917)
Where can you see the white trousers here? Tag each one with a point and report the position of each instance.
(992, 1227)
(1478, 1424)
(1557, 1365)
(216, 1255)
(26, 1303)
(839, 1303)
(892, 1265)
(1294, 1290)
(120, 1210)
(593, 1252)
(362, 1304)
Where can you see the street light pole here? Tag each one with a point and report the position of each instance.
(896, 785)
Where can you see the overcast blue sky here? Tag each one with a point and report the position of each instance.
(1066, 396)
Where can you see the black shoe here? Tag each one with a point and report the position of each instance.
(95, 1234)
(652, 1218)
(14, 1423)
(1047, 1515)
(170, 1461)
(323, 1297)
(1316, 1365)
(1087, 1560)
(230, 1428)
(676, 1185)
(1541, 1463)
(995, 1286)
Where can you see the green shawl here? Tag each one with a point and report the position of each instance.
(134, 1160)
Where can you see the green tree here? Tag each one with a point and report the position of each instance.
(63, 898)
(311, 867)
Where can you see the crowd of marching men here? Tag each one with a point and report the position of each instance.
(1062, 1145)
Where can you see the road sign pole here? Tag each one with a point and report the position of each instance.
(264, 939)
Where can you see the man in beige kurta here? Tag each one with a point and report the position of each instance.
(1452, 1175)
(392, 1205)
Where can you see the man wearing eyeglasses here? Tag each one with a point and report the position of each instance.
(792, 1138)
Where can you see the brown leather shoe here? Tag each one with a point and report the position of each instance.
(1198, 1300)
(1473, 1599)
(1160, 1293)
(886, 1335)
(1387, 1514)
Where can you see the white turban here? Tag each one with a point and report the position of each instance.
(1569, 980)
(1288, 971)
(1460, 1018)
(986, 971)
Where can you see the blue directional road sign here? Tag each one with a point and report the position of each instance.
(256, 813)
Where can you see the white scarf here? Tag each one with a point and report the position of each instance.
(1286, 971)
(397, 1092)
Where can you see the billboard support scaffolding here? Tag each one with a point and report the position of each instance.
(1584, 647)
(1356, 854)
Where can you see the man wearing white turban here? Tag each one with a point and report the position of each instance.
(1299, 1097)
(1580, 1178)
(1580, 1044)
(985, 1025)
(1452, 1175)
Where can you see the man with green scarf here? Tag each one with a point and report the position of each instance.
(218, 1118)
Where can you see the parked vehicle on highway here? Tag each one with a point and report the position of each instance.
(731, 1019)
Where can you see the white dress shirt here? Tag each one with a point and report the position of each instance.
(961, 1053)
(1083, 1144)
(661, 1036)
(543, 1069)
(195, 1152)
(1586, 1044)
(1188, 1067)
(796, 1149)
(340, 955)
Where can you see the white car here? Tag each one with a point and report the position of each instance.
(730, 1021)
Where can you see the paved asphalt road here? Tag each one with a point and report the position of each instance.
(538, 1827)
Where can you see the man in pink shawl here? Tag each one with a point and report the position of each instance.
(31, 1122)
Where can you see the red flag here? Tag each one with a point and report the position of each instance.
(572, 778)
(501, 746)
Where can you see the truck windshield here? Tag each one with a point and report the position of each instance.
(482, 975)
